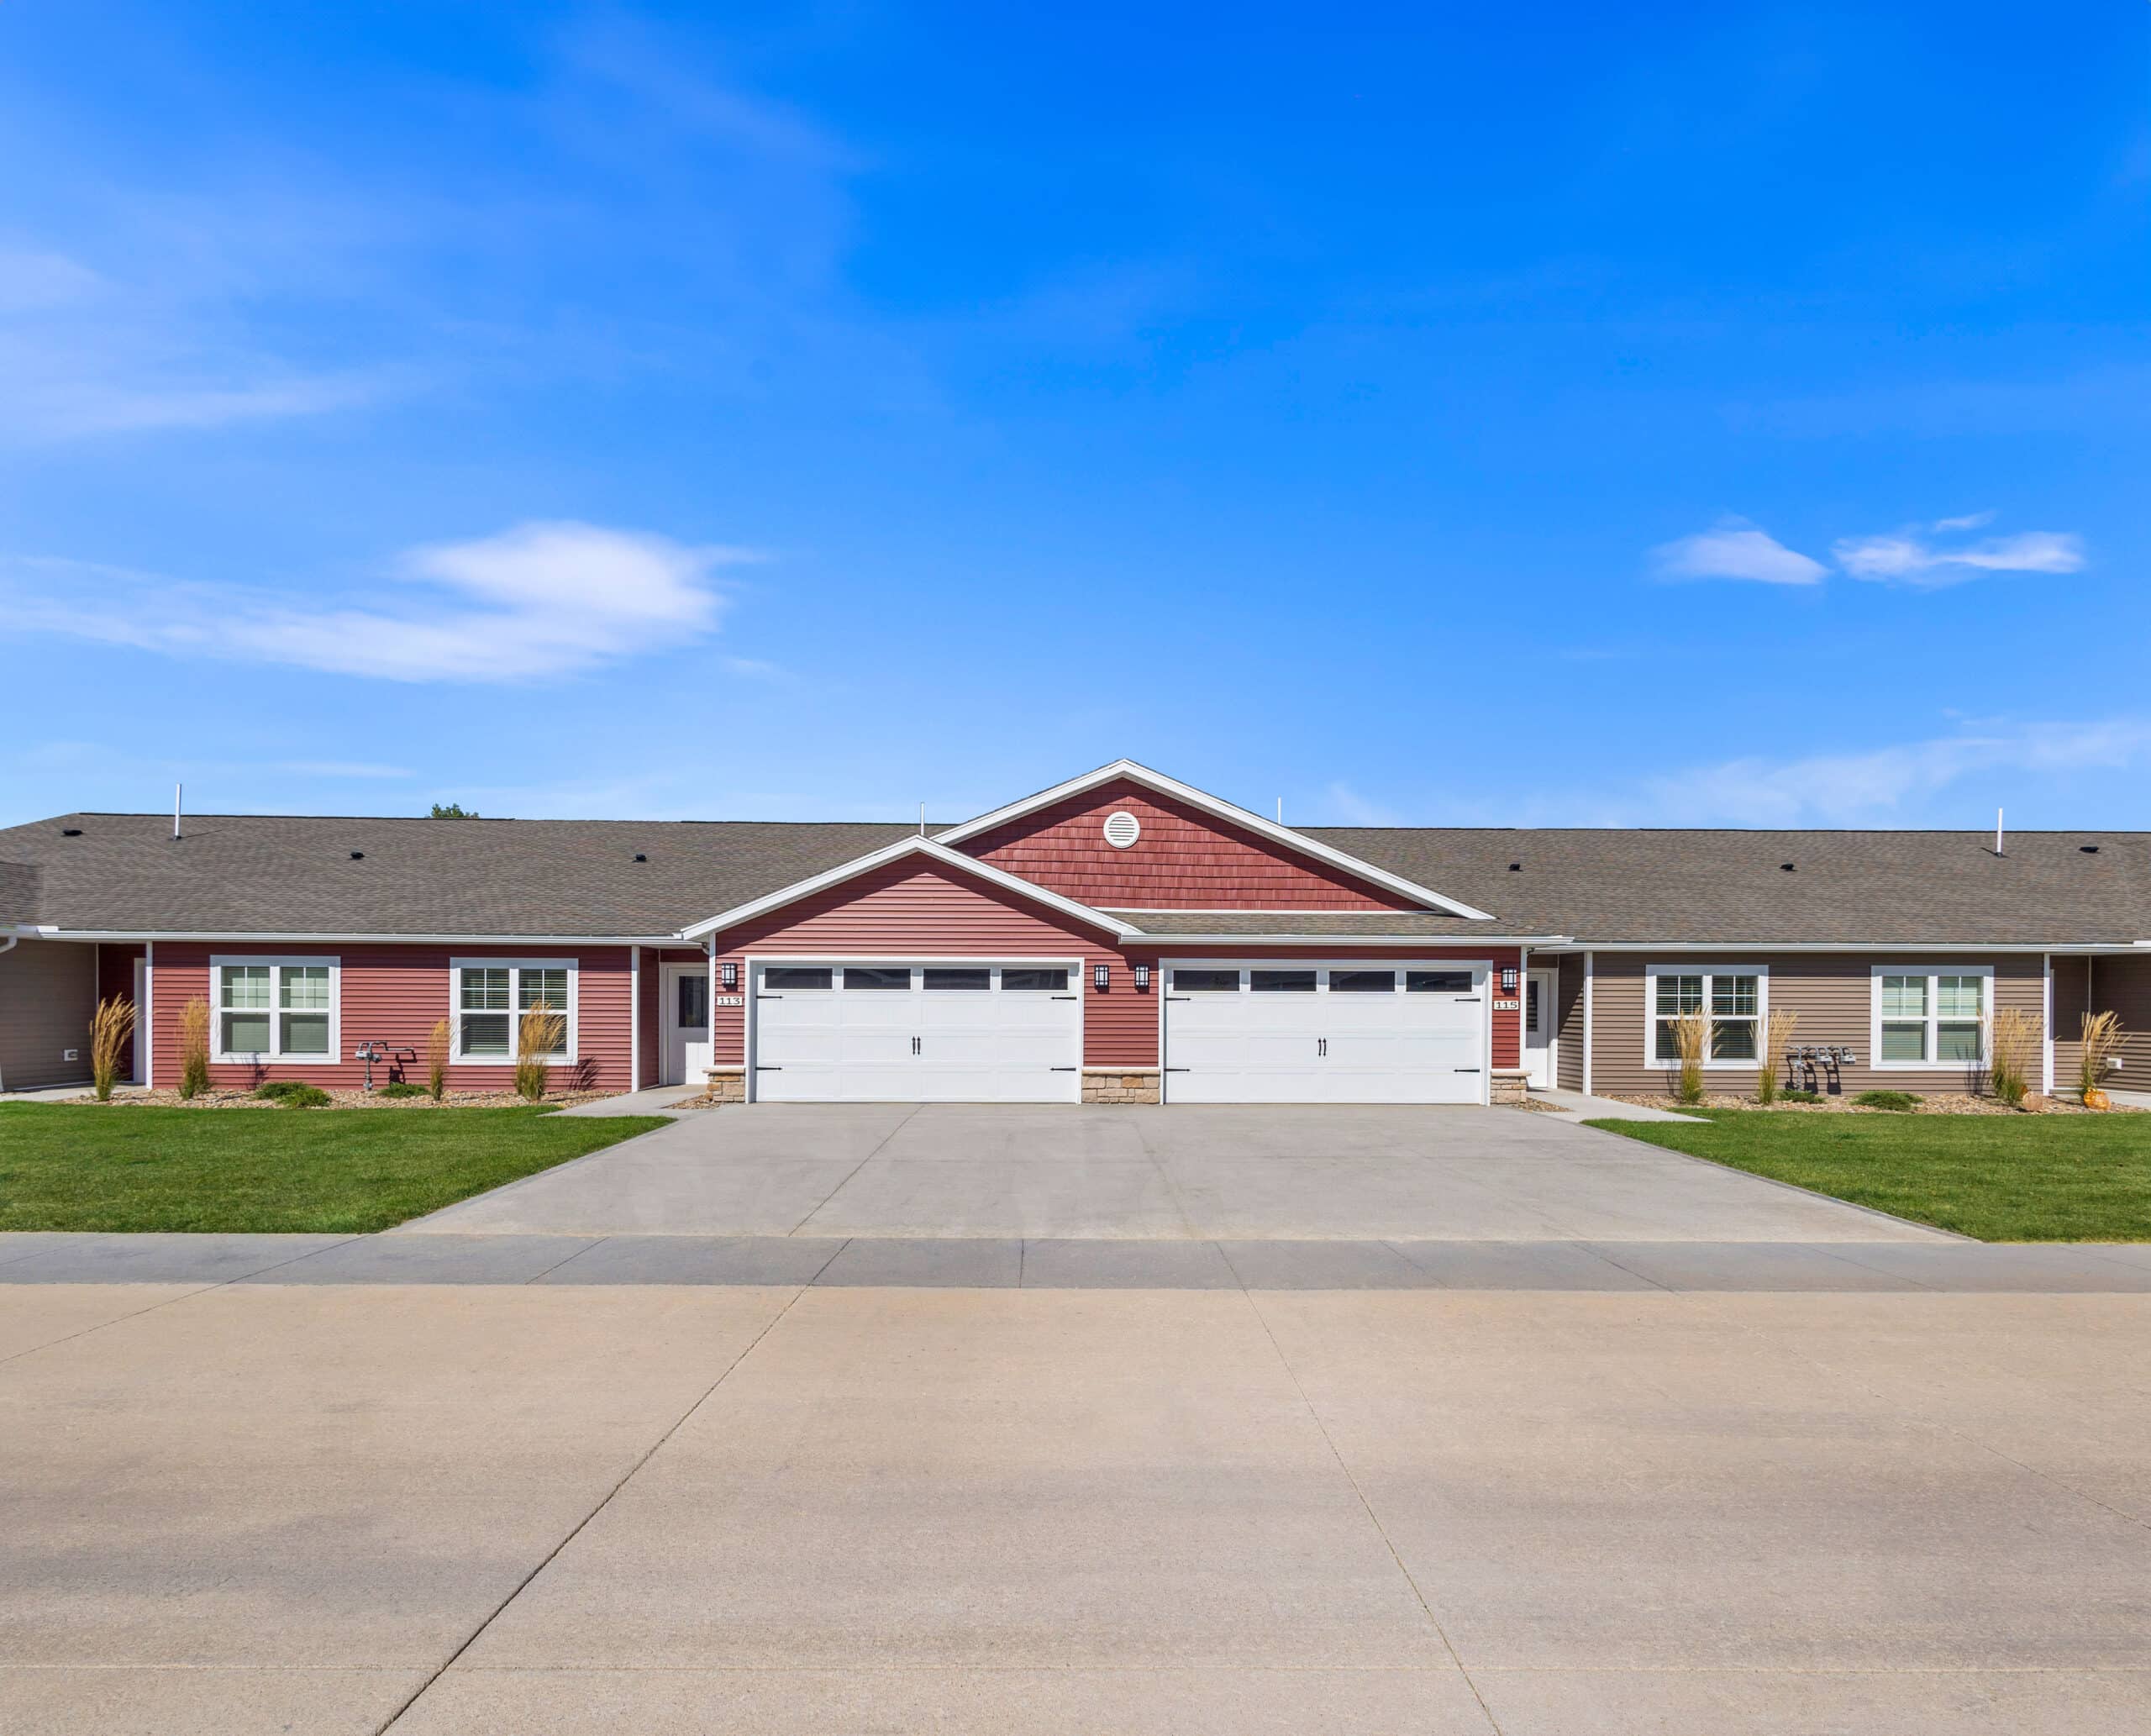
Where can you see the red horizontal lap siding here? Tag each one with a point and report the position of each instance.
(654, 959)
(394, 995)
(915, 912)
(1184, 860)
(116, 981)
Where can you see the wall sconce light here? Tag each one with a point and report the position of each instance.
(1101, 977)
(728, 973)
(1508, 979)
(1142, 976)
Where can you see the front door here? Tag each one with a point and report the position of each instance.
(686, 1023)
(1539, 997)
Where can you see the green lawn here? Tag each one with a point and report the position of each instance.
(2001, 1178)
(66, 1167)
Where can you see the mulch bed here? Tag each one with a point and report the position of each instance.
(339, 1099)
(1931, 1103)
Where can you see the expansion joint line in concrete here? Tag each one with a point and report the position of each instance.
(1367, 1508)
(575, 1531)
(171, 1301)
(879, 1147)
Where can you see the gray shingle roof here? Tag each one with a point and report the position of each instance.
(1712, 887)
(246, 874)
(273, 875)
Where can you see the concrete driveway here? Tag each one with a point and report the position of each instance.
(1351, 1174)
(457, 1511)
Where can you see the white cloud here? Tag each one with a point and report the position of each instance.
(1734, 549)
(1860, 786)
(1907, 557)
(538, 600)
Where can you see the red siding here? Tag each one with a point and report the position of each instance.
(394, 995)
(1184, 860)
(116, 978)
(926, 912)
(654, 958)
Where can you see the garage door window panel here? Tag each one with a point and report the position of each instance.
(1281, 982)
(977, 980)
(798, 976)
(1031, 981)
(1437, 983)
(1206, 982)
(876, 977)
(1363, 983)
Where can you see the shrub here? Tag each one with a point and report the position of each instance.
(437, 1061)
(1898, 1100)
(1777, 1039)
(2102, 1037)
(402, 1088)
(542, 1033)
(303, 1096)
(109, 1030)
(193, 1049)
(1792, 1095)
(1691, 1037)
(2016, 1035)
(276, 1090)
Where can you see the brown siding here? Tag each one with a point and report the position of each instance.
(2072, 996)
(116, 981)
(2124, 986)
(1568, 1004)
(1831, 993)
(48, 991)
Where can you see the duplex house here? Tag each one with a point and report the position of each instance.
(1120, 938)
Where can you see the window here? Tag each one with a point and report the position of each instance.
(692, 1006)
(495, 997)
(1032, 981)
(1928, 1017)
(877, 976)
(797, 976)
(1363, 983)
(1735, 996)
(1284, 982)
(965, 977)
(1207, 981)
(1437, 982)
(274, 1009)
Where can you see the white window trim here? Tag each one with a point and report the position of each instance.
(456, 967)
(1930, 972)
(1761, 973)
(273, 1056)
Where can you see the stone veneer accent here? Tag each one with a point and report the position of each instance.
(1120, 1085)
(727, 1084)
(1510, 1085)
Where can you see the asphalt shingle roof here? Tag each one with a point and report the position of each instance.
(247, 874)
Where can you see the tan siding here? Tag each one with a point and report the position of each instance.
(1568, 1061)
(2072, 995)
(48, 991)
(2124, 984)
(1831, 991)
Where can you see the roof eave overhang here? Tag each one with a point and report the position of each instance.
(43, 931)
(1221, 809)
(1393, 942)
(2123, 948)
(932, 849)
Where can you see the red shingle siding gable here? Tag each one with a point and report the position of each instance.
(1183, 860)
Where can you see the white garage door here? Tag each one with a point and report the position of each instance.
(1343, 1034)
(882, 1033)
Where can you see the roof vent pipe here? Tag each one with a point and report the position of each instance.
(1997, 831)
(175, 790)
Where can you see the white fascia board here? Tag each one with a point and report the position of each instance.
(1222, 809)
(933, 851)
(2072, 948)
(1392, 941)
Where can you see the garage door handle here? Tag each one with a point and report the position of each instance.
(1180, 997)
(1180, 1070)
(1060, 1070)
(1068, 997)
(759, 1068)
(769, 997)
(1467, 1070)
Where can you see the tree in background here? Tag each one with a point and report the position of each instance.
(452, 811)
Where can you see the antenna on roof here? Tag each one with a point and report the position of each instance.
(1997, 831)
(175, 790)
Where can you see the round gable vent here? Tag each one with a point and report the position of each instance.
(1122, 829)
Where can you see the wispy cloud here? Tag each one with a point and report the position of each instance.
(538, 600)
(1909, 557)
(1351, 808)
(1867, 785)
(1734, 549)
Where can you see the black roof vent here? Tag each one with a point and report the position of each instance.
(1515, 867)
(1787, 867)
(641, 857)
(358, 855)
(70, 831)
(2089, 850)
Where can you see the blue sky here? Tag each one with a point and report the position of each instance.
(1717, 415)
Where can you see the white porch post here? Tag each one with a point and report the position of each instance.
(635, 1018)
(1589, 979)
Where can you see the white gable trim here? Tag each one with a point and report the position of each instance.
(1221, 809)
(933, 851)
